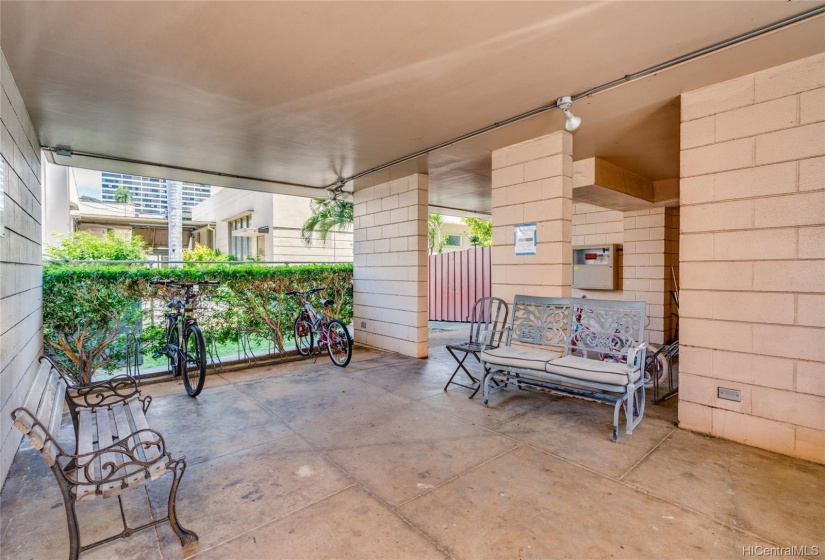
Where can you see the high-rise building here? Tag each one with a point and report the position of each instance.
(149, 194)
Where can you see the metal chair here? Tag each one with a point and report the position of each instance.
(488, 314)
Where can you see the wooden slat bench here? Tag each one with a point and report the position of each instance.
(576, 346)
(115, 449)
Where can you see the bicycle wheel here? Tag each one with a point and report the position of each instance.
(340, 343)
(303, 336)
(193, 360)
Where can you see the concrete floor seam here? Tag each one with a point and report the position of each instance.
(459, 475)
(273, 520)
(357, 482)
(640, 461)
(388, 507)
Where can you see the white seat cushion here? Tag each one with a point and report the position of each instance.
(519, 356)
(587, 369)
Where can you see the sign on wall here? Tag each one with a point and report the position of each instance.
(524, 239)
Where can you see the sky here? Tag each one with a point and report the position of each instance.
(88, 182)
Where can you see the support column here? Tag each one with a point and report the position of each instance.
(174, 205)
(390, 266)
(533, 183)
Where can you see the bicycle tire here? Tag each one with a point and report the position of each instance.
(172, 350)
(339, 346)
(303, 335)
(193, 367)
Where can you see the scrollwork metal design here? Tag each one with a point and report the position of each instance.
(606, 331)
(540, 323)
(120, 461)
(116, 389)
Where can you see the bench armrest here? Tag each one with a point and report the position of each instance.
(124, 458)
(636, 356)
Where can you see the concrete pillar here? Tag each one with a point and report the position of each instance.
(651, 248)
(174, 194)
(390, 266)
(532, 183)
(753, 259)
(56, 204)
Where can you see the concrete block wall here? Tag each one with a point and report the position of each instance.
(753, 259)
(533, 182)
(21, 322)
(594, 225)
(390, 266)
(650, 261)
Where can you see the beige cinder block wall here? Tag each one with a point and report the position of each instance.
(651, 248)
(533, 182)
(594, 225)
(390, 266)
(753, 259)
(21, 321)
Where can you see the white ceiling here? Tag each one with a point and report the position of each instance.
(302, 92)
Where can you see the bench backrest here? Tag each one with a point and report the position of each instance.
(605, 330)
(539, 321)
(42, 412)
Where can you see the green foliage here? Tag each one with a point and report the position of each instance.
(436, 239)
(204, 253)
(481, 231)
(90, 309)
(327, 216)
(123, 195)
(82, 245)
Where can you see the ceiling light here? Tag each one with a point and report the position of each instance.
(573, 122)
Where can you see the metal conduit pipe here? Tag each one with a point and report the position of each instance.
(597, 89)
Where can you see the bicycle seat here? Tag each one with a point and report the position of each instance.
(175, 304)
(328, 302)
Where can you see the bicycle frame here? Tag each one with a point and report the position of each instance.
(318, 322)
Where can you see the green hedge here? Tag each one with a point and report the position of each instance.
(89, 310)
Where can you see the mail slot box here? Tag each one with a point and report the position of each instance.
(596, 267)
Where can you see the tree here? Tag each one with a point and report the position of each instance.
(435, 237)
(327, 215)
(481, 231)
(83, 246)
(123, 195)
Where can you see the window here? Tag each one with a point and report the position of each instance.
(240, 246)
(453, 241)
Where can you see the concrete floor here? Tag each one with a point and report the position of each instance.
(377, 461)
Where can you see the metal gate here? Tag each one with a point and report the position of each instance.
(456, 281)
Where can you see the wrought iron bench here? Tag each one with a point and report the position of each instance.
(575, 346)
(115, 448)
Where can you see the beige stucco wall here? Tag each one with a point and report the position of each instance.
(21, 322)
(289, 215)
(533, 182)
(284, 214)
(753, 259)
(390, 272)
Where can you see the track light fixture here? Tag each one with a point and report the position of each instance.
(573, 122)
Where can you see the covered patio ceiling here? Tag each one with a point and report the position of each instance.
(289, 96)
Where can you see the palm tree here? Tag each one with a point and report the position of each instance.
(327, 215)
(435, 238)
(123, 195)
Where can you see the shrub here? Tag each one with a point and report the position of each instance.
(82, 245)
(204, 253)
(89, 309)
